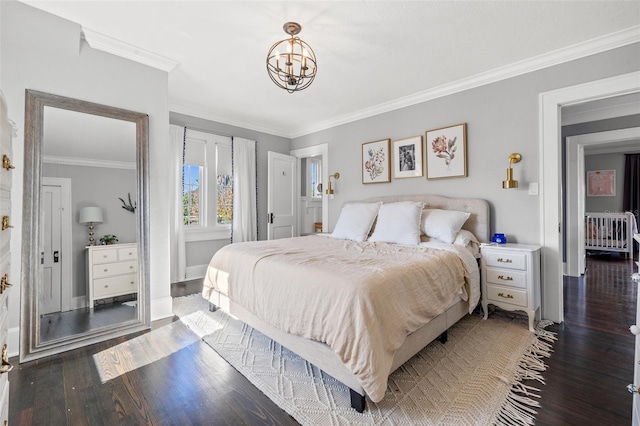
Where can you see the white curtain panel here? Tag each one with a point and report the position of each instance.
(244, 191)
(178, 249)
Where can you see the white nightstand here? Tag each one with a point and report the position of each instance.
(510, 275)
(112, 270)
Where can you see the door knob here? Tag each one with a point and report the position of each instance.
(634, 329)
(633, 388)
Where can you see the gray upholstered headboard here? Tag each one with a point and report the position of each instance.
(478, 222)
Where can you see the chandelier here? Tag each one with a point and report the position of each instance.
(291, 62)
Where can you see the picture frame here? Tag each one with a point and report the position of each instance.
(407, 157)
(601, 183)
(376, 162)
(446, 149)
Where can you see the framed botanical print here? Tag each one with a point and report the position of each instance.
(447, 152)
(407, 157)
(375, 162)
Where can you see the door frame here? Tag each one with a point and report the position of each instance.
(321, 150)
(551, 203)
(66, 269)
(575, 166)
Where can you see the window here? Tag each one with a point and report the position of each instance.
(315, 177)
(207, 185)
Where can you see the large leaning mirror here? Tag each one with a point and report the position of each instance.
(85, 224)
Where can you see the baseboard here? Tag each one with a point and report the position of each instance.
(161, 307)
(13, 341)
(196, 271)
(78, 302)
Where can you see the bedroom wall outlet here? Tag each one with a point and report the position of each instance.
(533, 188)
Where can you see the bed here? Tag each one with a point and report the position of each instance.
(612, 232)
(357, 309)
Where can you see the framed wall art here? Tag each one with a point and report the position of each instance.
(407, 157)
(601, 183)
(447, 152)
(375, 162)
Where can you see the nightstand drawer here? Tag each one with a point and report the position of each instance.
(507, 295)
(111, 269)
(511, 278)
(105, 256)
(503, 259)
(123, 284)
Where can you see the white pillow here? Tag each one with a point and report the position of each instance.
(443, 224)
(464, 238)
(355, 221)
(398, 223)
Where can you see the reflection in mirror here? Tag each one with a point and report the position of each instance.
(86, 218)
(88, 163)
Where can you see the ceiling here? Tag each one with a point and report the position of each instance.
(373, 56)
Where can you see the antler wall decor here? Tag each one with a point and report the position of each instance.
(131, 207)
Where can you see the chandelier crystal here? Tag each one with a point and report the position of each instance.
(291, 62)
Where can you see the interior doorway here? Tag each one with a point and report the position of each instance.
(319, 154)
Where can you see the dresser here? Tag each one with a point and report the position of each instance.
(6, 177)
(112, 270)
(510, 276)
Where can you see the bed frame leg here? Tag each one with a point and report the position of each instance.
(357, 401)
(212, 307)
(444, 337)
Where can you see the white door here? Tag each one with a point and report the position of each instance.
(51, 283)
(281, 196)
(635, 417)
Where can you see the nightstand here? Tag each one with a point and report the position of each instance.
(510, 276)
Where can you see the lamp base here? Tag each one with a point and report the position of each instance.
(509, 184)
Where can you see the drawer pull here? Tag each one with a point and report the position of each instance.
(5, 223)
(5, 366)
(502, 277)
(6, 162)
(106, 286)
(131, 267)
(4, 283)
(508, 296)
(501, 260)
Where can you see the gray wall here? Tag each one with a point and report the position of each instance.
(100, 187)
(199, 253)
(501, 118)
(606, 162)
(43, 52)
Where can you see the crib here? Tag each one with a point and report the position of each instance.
(612, 232)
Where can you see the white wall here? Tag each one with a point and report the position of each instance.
(42, 52)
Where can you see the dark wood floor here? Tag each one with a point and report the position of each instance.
(585, 383)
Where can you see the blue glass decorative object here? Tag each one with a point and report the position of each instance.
(499, 239)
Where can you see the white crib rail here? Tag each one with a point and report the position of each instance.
(609, 232)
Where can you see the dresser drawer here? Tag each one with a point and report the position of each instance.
(111, 269)
(509, 260)
(122, 284)
(508, 277)
(128, 253)
(105, 256)
(507, 295)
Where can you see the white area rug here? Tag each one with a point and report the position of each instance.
(473, 379)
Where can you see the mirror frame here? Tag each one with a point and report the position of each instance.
(30, 345)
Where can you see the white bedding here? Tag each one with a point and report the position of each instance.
(360, 298)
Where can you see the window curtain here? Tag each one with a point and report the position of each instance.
(178, 248)
(244, 226)
(631, 196)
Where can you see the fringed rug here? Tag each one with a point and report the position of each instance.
(473, 379)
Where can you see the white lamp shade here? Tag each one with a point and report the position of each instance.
(90, 215)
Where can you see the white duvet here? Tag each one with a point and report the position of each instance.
(361, 299)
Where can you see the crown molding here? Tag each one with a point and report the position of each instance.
(203, 113)
(590, 47)
(125, 50)
(88, 162)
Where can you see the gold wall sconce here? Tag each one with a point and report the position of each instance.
(329, 190)
(510, 183)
